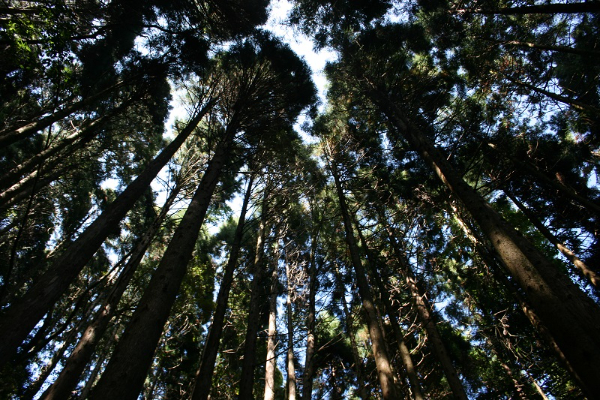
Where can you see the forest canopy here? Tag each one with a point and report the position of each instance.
(437, 238)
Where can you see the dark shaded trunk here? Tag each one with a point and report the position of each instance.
(405, 356)
(425, 316)
(12, 135)
(83, 352)
(570, 316)
(582, 268)
(256, 292)
(211, 346)
(271, 361)
(291, 370)
(126, 371)
(309, 369)
(22, 316)
(382, 360)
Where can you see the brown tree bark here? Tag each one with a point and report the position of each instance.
(405, 356)
(22, 316)
(291, 370)
(309, 370)
(249, 362)
(84, 350)
(203, 380)
(124, 375)
(571, 317)
(582, 268)
(271, 361)
(382, 360)
(425, 316)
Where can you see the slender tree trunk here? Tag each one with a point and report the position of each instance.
(12, 135)
(89, 384)
(125, 373)
(73, 142)
(424, 311)
(249, 361)
(291, 370)
(83, 352)
(204, 375)
(582, 268)
(572, 318)
(358, 365)
(309, 370)
(407, 361)
(22, 316)
(578, 105)
(35, 386)
(271, 364)
(491, 258)
(382, 361)
(555, 184)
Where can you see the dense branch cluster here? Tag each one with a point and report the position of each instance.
(440, 237)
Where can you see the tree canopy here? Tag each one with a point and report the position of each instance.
(437, 237)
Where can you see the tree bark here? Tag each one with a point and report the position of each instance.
(22, 316)
(582, 268)
(204, 375)
(124, 375)
(382, 361)
(309, 370)
(424, 311)
(271, 362)
(12, 135)
(570, 316)
(249, 361)
(291, 370)
(407, 361)
(83, 352)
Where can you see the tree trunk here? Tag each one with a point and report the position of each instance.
(271, 362)
(73, 141)
(291, 370)
(12, 135)
(570, 316)
(407, 361)
(83, 352)
(358, 365)
(204, 375)
(309, 370)
(424, 311)
(22, 316)
(249, 361)
(382, 361)
(125, 373)
(582, 268)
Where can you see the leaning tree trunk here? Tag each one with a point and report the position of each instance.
(249, 361)
(204, 375)
(382, 360)
(81, 355)
(571, 317)
(126, 371)
(22, 316)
